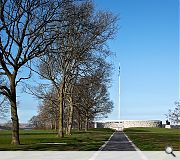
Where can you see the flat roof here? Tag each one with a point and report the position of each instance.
(103, 121)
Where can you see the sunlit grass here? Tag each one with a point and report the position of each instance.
(34, 139)
(154, 139)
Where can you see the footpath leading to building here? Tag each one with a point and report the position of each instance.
(118, 142)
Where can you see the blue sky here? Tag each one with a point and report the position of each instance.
(146, 45)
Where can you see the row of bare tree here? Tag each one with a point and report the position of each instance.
(67, 41)
(83, 102)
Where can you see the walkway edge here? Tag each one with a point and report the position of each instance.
(143, 157)
(135, 147)
(101, 148)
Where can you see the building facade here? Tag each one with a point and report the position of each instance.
(121, 124)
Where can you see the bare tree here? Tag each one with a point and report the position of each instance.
(89, 99)
(81, 41)
(3, 108)
(26, 31)
(94, 95)
(174, 115)
(34, 122)
(48, 109)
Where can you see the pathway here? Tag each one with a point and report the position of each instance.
(118, 142)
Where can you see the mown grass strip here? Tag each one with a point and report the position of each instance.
(154, 139)
(36, 140)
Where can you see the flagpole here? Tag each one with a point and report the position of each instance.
(119, 93)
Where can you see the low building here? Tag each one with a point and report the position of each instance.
(121, 124)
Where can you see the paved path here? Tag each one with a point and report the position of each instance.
(118, 142)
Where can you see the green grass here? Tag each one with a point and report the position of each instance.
(78, 141)
(154, 139)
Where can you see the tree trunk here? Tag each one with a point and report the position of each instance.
(52, 125)
(55, 127)
(52, 120)
(61, 110)
(14, 115)
(56, 124)
(70, 117)
(79, 122)
(67, 119)
(86, 124)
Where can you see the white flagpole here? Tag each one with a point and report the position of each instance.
(179, 76)
(119, 93)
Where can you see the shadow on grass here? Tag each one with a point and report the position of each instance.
(79, 140)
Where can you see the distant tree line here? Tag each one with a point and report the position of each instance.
(65, 42)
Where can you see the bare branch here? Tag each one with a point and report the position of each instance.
(24, 78)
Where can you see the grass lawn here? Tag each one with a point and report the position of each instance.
(154, 139)
(78, 141)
